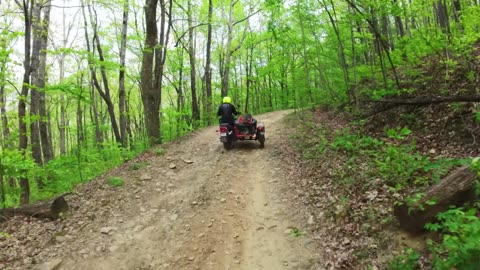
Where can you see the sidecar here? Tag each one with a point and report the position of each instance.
(246, 128)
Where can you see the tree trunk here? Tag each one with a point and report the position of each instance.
(35, 82)
(3, 105)
(341, 51)
(121, 79)
(423, 101)
(47, 149)
(62, 126)
(95, 116)
(153, 65)
(150, 97)
(27, 6)
(52, 209)
(105, 92)
(383, 44)
(456, 8)
(180, 96)
(3, 114)
(191, 54)
(442, 16)
(225, 72)
(398, 22)
(455, 189)
(208, 70)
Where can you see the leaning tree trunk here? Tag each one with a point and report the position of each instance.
(455, 189)
(105, 92)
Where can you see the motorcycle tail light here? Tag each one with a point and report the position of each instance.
(223, 129)
(261, 128)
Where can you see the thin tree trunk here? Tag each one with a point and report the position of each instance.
(228, 51)
(80, 131)
(35, 82)
(341, 51)
(105, 92)
(398, 22)
(442, 16)
(62, 126)
(208, 70)
(121, 89)
(150, 98)
(3, 114)
(191, 54)
(95, 114)
(26, 5)
(180, 95)
(47, 149)
(306, 61)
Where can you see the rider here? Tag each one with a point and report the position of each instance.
(226, 111)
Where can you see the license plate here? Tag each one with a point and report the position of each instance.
(223, 134)
(262, 133)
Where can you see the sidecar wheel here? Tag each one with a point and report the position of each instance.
(261, 139)
(227, 145)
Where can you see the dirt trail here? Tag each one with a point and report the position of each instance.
(220, 212)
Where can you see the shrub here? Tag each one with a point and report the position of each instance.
(406, 261)
(460, 246)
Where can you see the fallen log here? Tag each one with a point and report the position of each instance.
(455, 189)
(52, 209)
(429, 100)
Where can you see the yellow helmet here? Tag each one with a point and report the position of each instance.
(227, 100)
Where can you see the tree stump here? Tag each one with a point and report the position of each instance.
(52, 209)
(455, 189)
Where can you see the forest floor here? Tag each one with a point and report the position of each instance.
(196, 206)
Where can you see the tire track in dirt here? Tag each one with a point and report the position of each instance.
(221, 212)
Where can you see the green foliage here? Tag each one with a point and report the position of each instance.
(399, 166)
(354, 143)
(398, 133)
(116, 182)
(408, 260)
(61, 174)
(295, 232)
(460, 248)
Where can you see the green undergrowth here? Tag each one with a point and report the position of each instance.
(61, 174)
(364, 159)
(359, 163)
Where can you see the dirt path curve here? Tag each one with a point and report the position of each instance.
(220, 212)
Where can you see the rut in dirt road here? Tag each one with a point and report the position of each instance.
(216, 210)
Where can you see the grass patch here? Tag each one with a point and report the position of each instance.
(116, 182)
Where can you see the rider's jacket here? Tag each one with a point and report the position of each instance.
(226, 111)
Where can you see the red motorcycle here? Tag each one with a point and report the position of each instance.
(245, 128)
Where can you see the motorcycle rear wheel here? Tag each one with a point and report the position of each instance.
(227, 145)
